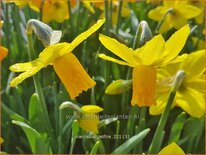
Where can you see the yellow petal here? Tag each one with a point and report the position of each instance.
(197, 83)
(53, 52)
(177, 59)
(144, 83)
(88, 6)
(89, 123)
(80, 38)
(119, 49)
(191, 101)
(1, 140)
(151, 52)
(194, 65)
(159, 107)
(22, 67)
(24, 75)
(157, 13)
(73, 75)
(179, 21)
(91, 109)
(175, 43)
(173, 149)
(108, 58)
(189, 11)
(167, 24)
(3, 52)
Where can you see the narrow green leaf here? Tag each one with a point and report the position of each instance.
(177, 128)
(12, 114)
(75, 131)
(35, 113)
(131, 143)
(95, 148)
(36, 141)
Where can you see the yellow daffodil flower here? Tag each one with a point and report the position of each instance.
(191, 94)
(173, 14)
(55, 10)
(198, 43)
(173, 149)
(65, 64)
(3, 52)
(89, 121)
(154, 53)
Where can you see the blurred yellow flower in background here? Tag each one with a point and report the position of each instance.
(154, 53)
(172, 149)
(173, 14)
(89, 120)
(191, 94)
(65, 64)
(1, 140)
(51, 9)
(3, 52)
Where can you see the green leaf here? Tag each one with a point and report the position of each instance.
(131, 143)
(35, 114)
(75, 131)
(177, 128)
(95, 148)
(12, 114)
(36, 141)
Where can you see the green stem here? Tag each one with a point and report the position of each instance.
(39, 91)
(119, 16)
(60, 133)
(70, 15)
(154, 144)
(106, 11)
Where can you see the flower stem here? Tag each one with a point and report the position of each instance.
(161, 124)
(39, 91)
(106, 11)
(157, 138)
(119, 16)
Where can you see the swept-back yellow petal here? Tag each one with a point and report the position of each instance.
(172, 148)
(194, 65)
(88, 6)
(91, 109)
(197, 83)
(108, 58)
(119, 49)
(157, 13)
(189, 11)
(176, 42)
(152, 52)
(89, 123)
(72, 74)
(80, 38)
(144, 83)
(53, 52)
(22, 67)
(191, 101)
(14, 82)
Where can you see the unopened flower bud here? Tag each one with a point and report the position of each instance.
(118, 87)
(43, 32)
